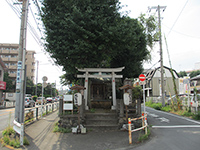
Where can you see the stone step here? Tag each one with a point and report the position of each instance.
(102, 127)
(99, 116)
(101, 121)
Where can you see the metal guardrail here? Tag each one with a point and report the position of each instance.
(144, 125)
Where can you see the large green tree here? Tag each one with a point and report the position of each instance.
(92, 33)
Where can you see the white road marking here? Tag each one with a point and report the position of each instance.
(178, 126)
(153, 115)
(197, 122)
(164, 119)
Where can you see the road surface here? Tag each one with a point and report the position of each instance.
(6, 118)
(171, 132)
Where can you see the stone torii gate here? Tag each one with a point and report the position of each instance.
(88, 74)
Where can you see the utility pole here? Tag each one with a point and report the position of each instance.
(20, 80)
(161, 52)
(36, 78)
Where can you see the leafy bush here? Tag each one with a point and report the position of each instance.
(35, 98)
(8, 131)
(196, 116)
(25, 141)
(187, 113)
(6, 139)
(143, 137)
(166, 108)
(157, 106)
(60, 129)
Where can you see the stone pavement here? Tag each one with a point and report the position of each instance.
(41, 137)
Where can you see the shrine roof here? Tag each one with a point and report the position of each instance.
(77, 87)
(125, 87)
(101, 69)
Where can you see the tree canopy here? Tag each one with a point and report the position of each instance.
(194, 73)
(92, 33)
(182, 74)
(10, 87)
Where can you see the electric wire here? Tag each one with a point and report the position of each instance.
(178, 17)
(31, 29)
(182, 33)
(152, 66)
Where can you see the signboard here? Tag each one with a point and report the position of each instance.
(142, 77)
(126, 98)
(68, 98)
(142, 83)
(2, 85)
(78, 99)
(19, 76)
(68, 106)
(186, 81)
(44, 78)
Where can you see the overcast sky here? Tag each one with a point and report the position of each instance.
(180, 24)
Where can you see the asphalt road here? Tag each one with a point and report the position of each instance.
(6, 118)
(171, 132)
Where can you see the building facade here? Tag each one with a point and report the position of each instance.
(9, 55)
(153, 81)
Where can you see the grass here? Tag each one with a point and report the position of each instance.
(60, 129)
(10, 138)
(142, 137)
(168, 108)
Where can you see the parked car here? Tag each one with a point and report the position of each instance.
(29, 102)
(49, 100)
(41, 100)
(55, 99)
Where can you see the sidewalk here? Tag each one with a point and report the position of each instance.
(40, 135)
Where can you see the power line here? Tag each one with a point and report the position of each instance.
(32, 31)
(178, 17)
(183, 33)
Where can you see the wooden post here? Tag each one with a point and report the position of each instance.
(79, 128)
(36, 113)
(60, 106)
(126, 113)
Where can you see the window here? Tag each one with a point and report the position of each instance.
(13, 56)
(12, 72)
(7, 56)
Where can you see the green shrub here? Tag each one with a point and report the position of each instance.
(8, 131)
(17, 143)
(60, 129)
(166, 108)
(143, 137)
(6, 139)
(12, 142)
(35, 98)
(25, 141)
(196, 116)
(157, 106)
(187, 113)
